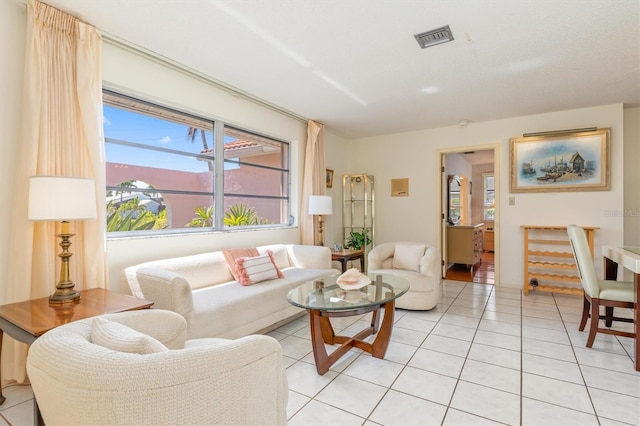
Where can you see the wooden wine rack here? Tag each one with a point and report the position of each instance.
(552, 269)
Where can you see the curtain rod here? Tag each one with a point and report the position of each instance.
(163, 60)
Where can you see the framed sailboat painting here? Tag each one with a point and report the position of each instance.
(561, 161)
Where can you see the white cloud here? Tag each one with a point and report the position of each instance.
(165, 140)
(106, 121)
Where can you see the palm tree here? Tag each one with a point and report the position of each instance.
(191, 135)
(203, 219)
(239, 215)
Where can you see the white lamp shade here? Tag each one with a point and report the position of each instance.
(61, 198)
(320, 204)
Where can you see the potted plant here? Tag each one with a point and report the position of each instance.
(358, 240)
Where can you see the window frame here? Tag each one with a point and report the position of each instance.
(485, 205)
(219, 127)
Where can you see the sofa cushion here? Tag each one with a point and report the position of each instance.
(314, 257)
(280, 255)
(119, 337)
(216, 309)
(407, 256)
(232, 255)
(256, 269)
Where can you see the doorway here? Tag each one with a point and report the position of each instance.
(469, 215)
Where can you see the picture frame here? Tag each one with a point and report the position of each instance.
(561, 161)
(329, 177)
(400, 187)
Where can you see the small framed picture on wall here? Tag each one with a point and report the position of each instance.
(329, 178)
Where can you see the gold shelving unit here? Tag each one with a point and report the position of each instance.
(358, 207)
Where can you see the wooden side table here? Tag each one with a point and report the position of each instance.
(346, 255)
(28, 320)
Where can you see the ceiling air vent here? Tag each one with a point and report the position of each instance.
(433, 37)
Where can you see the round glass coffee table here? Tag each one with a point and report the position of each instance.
(323, 298)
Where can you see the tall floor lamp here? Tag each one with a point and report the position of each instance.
(320, 205)
(64, 199)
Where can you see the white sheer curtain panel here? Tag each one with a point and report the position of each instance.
(61, 135)
(314, 181)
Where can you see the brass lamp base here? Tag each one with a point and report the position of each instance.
(320, 231)
(65, 295)
(64, 290)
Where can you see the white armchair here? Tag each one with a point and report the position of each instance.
(201, 381)
(418, 263)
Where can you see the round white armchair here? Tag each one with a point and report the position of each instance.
(418, 263)
(135, 368)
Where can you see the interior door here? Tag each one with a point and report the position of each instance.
(444, 211)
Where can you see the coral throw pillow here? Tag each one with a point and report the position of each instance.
(256, 269)
(231, 255)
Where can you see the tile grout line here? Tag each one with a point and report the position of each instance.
(521, 356)
(406, 364)
(595, 412)
(468, 350)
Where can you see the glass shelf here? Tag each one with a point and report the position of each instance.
(357, 208)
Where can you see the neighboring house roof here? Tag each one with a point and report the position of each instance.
(230, 146)
(241, 148)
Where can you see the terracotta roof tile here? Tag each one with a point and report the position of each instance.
(228, 146)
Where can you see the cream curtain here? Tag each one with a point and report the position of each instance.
(61, 135)
(314, 181)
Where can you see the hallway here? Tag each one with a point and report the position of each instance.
(485, 274)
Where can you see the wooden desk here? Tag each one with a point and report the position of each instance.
(346, 255)
(629, 258)
(28, 320)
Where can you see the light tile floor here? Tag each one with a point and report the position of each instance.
(484, 355)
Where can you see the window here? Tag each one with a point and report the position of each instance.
(161, 171)
(489, 208)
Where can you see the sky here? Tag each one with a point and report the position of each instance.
(133, 127)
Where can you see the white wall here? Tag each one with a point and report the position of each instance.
(12, 41)
(414, 156)
(632, 177)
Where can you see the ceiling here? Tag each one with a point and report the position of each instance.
(356, 67)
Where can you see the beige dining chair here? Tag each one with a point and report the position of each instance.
(607, 293)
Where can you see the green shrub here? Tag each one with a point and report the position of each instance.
(129, 216)
(204, 217)
(239, 215)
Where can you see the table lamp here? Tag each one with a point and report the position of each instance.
(64, 199)
(320, 205)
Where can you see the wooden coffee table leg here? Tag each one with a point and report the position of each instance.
(317, 341)
(375, 321)
(379, 346)
(328, 335)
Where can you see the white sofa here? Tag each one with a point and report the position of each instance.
(418, 263)
(97, 372)
(201, 288)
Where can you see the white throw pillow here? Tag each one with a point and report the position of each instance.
(118, 337)
(407, 256)
(256, 269)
